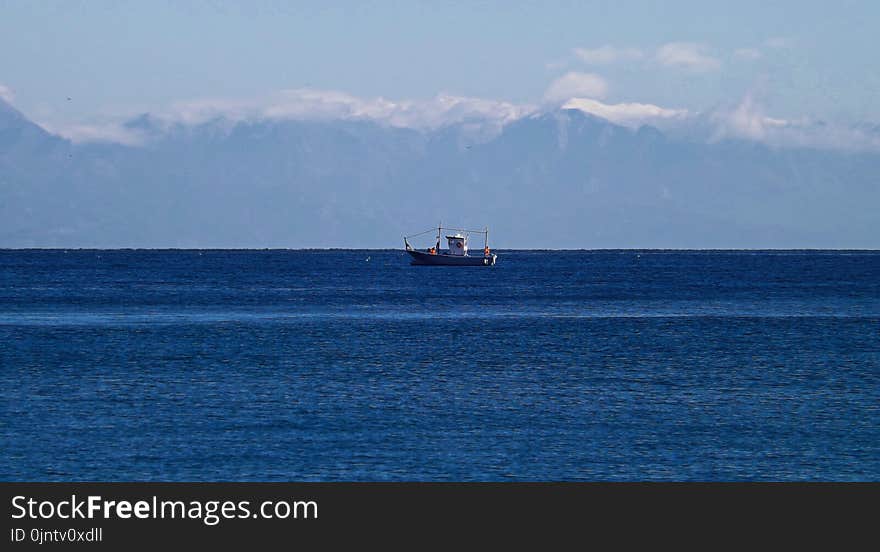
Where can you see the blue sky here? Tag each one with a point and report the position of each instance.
(799, 59)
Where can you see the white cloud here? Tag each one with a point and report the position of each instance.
(6, 94)
(626, 114)
(747, 54)
(748, 121)
(447, 109)
(576, 85)
(607, 54)
(687, 55)
(314, 104)
(109, 132)
(201, 110)
(487, 116)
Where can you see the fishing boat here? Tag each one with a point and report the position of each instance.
(457, 254)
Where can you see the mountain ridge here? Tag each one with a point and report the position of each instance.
(558, 179)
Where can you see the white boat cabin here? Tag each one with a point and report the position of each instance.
(457, 244)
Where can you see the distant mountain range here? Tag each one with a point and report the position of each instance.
(557, 179)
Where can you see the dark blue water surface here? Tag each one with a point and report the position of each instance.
(353, 365)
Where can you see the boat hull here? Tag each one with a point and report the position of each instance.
(421, 258)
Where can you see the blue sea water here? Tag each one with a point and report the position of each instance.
(354, 365)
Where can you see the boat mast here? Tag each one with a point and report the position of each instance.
(486, 246)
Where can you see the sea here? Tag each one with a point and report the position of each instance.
(352, 365)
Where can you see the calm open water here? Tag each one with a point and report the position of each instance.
(298, 365)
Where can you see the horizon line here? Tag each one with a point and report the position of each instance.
(330, 249)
